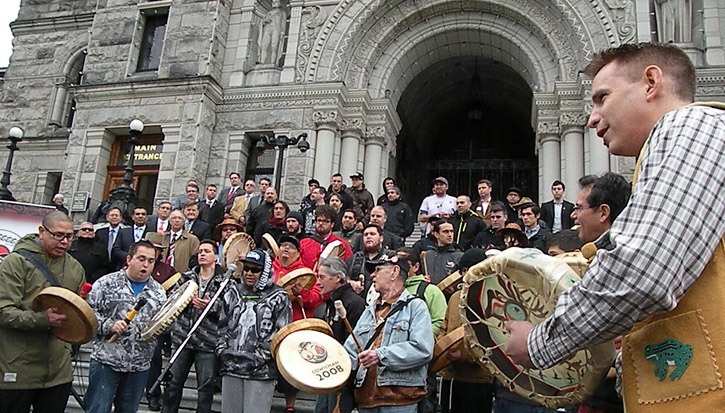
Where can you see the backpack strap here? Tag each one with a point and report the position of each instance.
(52, 279)
(420, 292)
(399, 306)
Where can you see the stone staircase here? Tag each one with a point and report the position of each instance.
(305, 401)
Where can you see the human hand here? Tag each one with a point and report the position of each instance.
(427, 278)
(516, 347)
(359, 226)
(200, 303)
(119, 327)
(296, 289)
(55, 317)
(356, 286)
(368, 358)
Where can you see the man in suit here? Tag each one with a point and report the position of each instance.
(193, 225)
(211, 211)
(256, 200)
(159, 222)
(107, 238)
(227, 195)
(484, 203)
(557, 212)
(129, 236)
(180, 246)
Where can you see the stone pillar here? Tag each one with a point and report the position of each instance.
(573, 136)
(326, 123)
(59, 102)
(548, 133)
(375, 138)
(598, 154)
(351, 135)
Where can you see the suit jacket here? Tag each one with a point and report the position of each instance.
(124, 240)
(253, 203)
(222, 197)
(547, 214)
(239, 208)
(486, 215)
(211, 215)
(152, 222)
(184, 249)
(200, 229)
(110, 263)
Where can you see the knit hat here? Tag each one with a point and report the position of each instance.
(471, 258)
(295, 215)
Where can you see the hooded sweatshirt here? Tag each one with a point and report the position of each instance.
(30, 356)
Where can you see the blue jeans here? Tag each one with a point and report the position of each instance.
(108, 387)
(205, 365)
(411, 408)
(501, 405)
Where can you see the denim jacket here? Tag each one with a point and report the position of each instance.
(407, 344)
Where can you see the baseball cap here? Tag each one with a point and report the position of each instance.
(357, 175)
(255, 256)
(292, 240)
(385, 259)
(441, 179)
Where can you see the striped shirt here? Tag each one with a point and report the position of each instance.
(663, 239)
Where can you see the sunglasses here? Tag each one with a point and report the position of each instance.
(255, 270)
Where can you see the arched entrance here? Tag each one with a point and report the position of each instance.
(466, 118)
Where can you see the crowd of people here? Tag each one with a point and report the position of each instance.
(389, 290)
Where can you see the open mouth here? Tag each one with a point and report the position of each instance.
(601, 132)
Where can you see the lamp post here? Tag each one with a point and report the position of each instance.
(282, 142)
(15, 135)
(123, 196)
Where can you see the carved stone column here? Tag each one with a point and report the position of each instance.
(351, 136)
(548, 133)
(572, 125)
(375, 139)
(326, 123)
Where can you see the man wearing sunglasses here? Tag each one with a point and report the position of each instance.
(36, 366)
(90, 253)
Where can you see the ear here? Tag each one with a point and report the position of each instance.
(654, 80)
(605, 212)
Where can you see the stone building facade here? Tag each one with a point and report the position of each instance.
(404, 88)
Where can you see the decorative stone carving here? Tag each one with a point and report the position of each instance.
(352, 124)
(674, 21)
(313, 18)
(272, 35)
(572, 119)
(549, 127)
(375, 133)
(325, 118)
(622, 13)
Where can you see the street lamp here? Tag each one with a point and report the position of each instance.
(15, 135)
(282, 142)
(123, 196)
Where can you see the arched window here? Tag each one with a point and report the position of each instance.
(64, 105)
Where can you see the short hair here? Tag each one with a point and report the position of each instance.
(567, 239)
(670, 58)
(191, 204)
(165, 202)
(535, 209)
(409, 254)
(210, 242)
(321, 190)
(234, 173)
(337, 174)
(210, 186)
(350, 211)
(136, 245)
(484, 181)
(57, 217)
(269, 181)
(611, 189)
(437, 225)
(140, 207)
(112, 208)
(376, 226)
(336, 266)
(587, 180)
(195, 186)
(558, 183)
(498, 206)
(326, 211)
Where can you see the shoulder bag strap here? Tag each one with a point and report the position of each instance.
(39, 265)
(380, 326)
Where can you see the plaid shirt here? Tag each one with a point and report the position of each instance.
(663, 239)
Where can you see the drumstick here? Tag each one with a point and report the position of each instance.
(130, 316)
(425, 264)
(302, 307)
(589, 250)
(342, 313)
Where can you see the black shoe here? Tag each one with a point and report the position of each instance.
(155, 403)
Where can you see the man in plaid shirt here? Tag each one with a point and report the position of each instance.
(674, 221)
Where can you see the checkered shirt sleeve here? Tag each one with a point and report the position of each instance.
(663, 239)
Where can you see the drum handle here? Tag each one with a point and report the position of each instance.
(342, 313)
(424, 262)
(227, 277)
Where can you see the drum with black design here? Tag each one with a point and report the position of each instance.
(309, 358)
(80, 324)
(524, 284)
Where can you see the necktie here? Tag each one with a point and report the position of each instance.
(138, 234)
(230, 195)
(188, 225)
(111, 239)
(210, 202)
(161, 227)
(170, 258)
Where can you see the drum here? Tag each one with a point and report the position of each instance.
(333, 249)
(450, 281)
(303, 277)
(269, 244)
(80, 324)
(171, 281)
(236, 247)
(311, 359)
(524, 284)
(174, 305)
(576, 261)
(445, 345)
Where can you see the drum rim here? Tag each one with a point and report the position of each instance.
(315, 324)
(186, 292)
(80, 307)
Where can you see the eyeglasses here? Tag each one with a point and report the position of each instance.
(323, 221)
(86, 229)
(255, 270)
(60, 236)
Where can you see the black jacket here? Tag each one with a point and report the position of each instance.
(200, 229)
(400, 218)
(346, 198)
(354, 306)
(547, 214)
(465, 228)
(487, 239)
(124, 240)
(92, 256)
(212, 215)
(539, 240)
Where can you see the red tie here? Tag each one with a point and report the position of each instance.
(170, 258)
(230, 195)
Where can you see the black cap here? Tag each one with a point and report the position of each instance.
(295, 215)
(289, 238)
(255, 256)
(513, 189)
(384, 259)
(471, 258)
(357, 175)
(313, 181)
